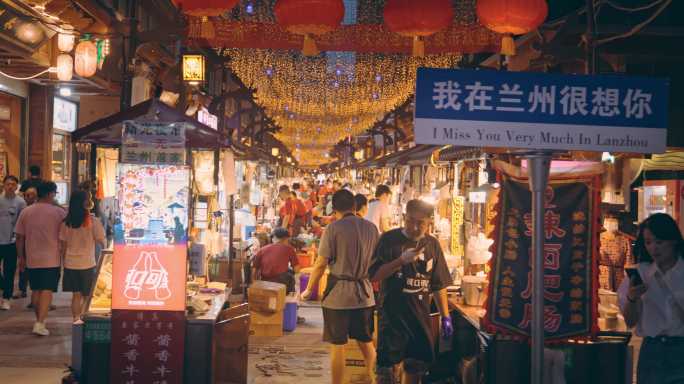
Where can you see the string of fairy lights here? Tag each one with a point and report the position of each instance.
(320, 100)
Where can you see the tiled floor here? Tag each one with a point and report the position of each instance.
(28, 359)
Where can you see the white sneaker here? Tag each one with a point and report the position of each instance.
(40, 330)
(6, 305)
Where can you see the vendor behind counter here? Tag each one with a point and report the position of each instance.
(277, 262)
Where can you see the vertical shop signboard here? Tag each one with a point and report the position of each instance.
(153, 143)
(150, 252)
(569, 284)
(457, 205)
(147, 346)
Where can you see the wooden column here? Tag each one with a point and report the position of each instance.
(40, 128)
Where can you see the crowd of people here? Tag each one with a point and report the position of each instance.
(372, 267)
(44, 243)
(360, 249)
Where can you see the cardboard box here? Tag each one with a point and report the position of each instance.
(265, 296)
(266, 324)
(355, 371)
(263, 318)
(266, 330)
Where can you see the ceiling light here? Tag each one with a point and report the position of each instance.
(65, 91)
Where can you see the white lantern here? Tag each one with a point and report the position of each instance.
(65, 67)
(275, 151)
(86, 59)
(65, 42)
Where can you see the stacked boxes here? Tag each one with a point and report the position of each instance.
(266, 305)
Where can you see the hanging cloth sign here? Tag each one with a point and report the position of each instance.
(570, 284)
(153, 143)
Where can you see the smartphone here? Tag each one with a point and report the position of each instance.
(634, 276)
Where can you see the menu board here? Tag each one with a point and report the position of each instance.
(147, 347)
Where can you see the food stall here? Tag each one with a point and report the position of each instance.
(605, 355)
(166, 202)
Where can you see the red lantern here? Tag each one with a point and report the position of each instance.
(309, 18)
(511, 17)
(205, 9)
(417, 19)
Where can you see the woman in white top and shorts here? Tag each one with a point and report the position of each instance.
(652, 300)
(78, 235)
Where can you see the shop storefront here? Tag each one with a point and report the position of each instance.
(162, 198)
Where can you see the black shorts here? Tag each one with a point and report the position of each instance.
(340, 325)
(44, 279)
(408, 343)
(78, 280)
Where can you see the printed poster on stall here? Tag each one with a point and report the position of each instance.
(149, 277)
(569, 283)
(150, 247)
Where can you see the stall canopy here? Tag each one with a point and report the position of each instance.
(107, 131)
(420, 154)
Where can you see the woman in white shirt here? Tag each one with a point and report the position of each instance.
(655, 305)
(78, 235)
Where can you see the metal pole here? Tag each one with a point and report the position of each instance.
(539, 166)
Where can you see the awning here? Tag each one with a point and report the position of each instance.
(107, 131)
(417, 155)
(668, 161)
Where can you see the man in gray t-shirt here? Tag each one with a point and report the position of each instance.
(346, 249)
(10, 208)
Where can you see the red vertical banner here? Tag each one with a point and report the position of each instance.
(147, 347)
(570, 285)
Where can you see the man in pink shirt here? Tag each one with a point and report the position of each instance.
(38, 250)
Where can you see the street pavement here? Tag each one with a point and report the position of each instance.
(299, 357)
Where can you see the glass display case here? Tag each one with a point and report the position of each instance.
(101, 300)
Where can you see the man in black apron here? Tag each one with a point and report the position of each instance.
(410, 265)
(346, 248)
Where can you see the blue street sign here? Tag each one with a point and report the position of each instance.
(541, 111)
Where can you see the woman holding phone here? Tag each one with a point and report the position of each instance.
(652, 300)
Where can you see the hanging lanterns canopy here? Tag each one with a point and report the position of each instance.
(418, 19)
(65, 67)
(85, 62)
(309, 18)
(511, 17)
(204, 9)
